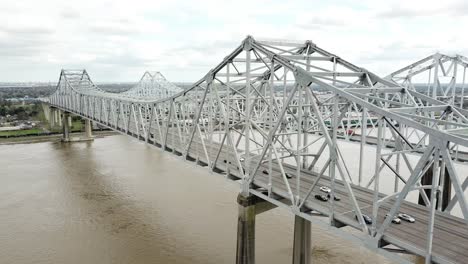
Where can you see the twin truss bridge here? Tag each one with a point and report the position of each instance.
(303, 129)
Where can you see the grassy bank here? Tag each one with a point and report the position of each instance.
(19, 133)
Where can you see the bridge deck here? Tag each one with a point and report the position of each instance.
(450, 240)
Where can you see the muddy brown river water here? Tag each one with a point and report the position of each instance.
(117, 200)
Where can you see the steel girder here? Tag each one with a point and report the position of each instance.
(271, 114)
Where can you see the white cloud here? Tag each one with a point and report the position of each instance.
(118, 40)
(429, 8)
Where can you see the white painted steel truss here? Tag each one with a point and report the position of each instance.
(152, 85)
(271, 114)
(439, 76)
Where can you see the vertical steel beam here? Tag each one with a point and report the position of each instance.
(333, 156)
(375, 207)
(305, 159)
(436, 87)
(434, 192)
(299, 138)
(363, 143)
(270, 125)
(462, 97)
(247, 122)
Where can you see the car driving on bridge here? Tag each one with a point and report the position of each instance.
(395, 219)
(336, 198)
(325, 189)
(406, 217)
(367, 219)
(320, 197)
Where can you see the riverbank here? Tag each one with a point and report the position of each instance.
(52, 137)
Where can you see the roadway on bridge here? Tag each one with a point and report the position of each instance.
(450, 240)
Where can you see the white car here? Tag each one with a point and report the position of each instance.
(407, 218)
(395, 219)
(325, 189)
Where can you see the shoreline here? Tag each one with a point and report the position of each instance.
(49, 138)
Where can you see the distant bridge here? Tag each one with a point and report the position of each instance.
(270, 116)
(152, 85)
(443, 75)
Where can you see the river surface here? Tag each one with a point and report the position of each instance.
(117, 200)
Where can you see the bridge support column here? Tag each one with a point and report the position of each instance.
(69, 121)
(66, 127)
(88, 129)
(52, 117)
(246, 230)
(249, 207)
(59, 117)
(302, 235)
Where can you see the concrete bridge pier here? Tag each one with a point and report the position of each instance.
(46, 109)
(302, 236)
(52, 117)
(246, 230)
(59, 117)
(88, 129)
(249, 207)
(66, 127)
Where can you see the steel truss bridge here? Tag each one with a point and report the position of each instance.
(272, 116)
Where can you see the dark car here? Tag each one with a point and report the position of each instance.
(336, 197)
(288, 175)
(320, 197)
(367, 219)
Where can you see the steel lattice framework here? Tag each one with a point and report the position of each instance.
(152, 85)
(443, 76)
(271, 115)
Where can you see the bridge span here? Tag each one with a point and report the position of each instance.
(270, 116)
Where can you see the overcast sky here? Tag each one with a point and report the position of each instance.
(118, 40)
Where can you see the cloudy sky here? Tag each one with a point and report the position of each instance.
(118, 40)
